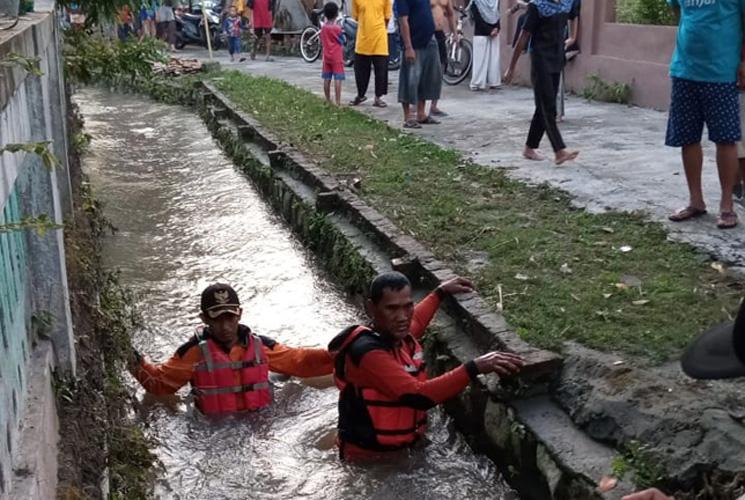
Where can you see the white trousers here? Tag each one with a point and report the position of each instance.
(485, 72)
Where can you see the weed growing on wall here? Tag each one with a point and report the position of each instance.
(600, 90)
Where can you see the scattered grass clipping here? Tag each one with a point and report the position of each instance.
(610, 281)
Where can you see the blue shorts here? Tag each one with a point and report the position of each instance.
(333, 76)
(694, 104)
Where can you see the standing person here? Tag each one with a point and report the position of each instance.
(545, 28)
(486, 72)
(420, 77)
(147, 19)
(706, 68)
(124, 22)
(231, 26)
(741, 151)
(332, 41)
(371, 48)
(166, 23)
(379, 369)
(443, 10)
(226, 363)
(262, 22)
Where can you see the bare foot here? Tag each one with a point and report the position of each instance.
(565, 156)
(533, 154)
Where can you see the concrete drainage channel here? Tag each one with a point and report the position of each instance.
(530, 426)
(514, 422)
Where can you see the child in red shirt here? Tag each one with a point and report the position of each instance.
(332, 41)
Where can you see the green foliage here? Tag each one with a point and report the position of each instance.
(91, 58)
(645, 12)
(640, 461)
(40, 224)
(600, 90)
(29, 64)
(560, 270)
(38, 148)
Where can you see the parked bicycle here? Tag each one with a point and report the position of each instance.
(460, 55)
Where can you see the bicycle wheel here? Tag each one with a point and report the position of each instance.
(458, 67)
(310, 44)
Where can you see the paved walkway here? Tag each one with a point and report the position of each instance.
(623, 165)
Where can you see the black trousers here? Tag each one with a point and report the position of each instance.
(362, 66)
(545, 90)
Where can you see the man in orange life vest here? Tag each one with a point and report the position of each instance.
(380, 371)
(227, 364)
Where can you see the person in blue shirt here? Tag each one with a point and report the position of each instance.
(707, 67)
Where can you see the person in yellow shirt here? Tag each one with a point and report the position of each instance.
(371, 48)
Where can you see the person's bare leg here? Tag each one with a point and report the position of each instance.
(268, 47)
(406, 108)
(564, 155)
(433, 109)
(727, 167)
(327, 90)
(693, 160)
(421, 110)
(337, 89)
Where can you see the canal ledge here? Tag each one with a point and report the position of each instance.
(557, 429)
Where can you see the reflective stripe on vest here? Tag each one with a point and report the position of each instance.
(221, 385)
(228, 390)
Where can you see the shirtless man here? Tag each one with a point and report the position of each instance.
(442, 10)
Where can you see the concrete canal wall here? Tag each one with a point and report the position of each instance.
(35, 321)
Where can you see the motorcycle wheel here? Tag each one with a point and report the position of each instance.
(310, 44)
(180, 43)
(457, 69)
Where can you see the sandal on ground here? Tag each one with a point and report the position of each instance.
(687, 213)
(727, 220)
(412, 124)
(429, 121)
(380, 103)
(357, 101)
(438, 112)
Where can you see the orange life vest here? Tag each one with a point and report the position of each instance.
(221, 385)
(368, 418)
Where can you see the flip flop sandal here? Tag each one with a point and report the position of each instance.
(380, 104)
(438, 113)
(412, 124)
(429, 121)
(687, 213)
(727, 220)
(357, 101)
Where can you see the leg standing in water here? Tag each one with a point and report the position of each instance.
(379, 368)
(706, 70)
(545, 25)
(222, 352)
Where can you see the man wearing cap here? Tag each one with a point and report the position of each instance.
(225, 362)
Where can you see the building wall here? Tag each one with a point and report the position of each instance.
(633, 54)
(33, 280)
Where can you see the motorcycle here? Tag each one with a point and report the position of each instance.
(190, 29)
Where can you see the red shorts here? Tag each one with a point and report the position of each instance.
(333, 70)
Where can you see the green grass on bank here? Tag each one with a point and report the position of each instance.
(564, 274)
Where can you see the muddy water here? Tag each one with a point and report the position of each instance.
(186, 218)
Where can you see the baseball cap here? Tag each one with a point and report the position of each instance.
(718, 352)
(219, 299)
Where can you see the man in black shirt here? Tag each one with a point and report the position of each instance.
(545, 29)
